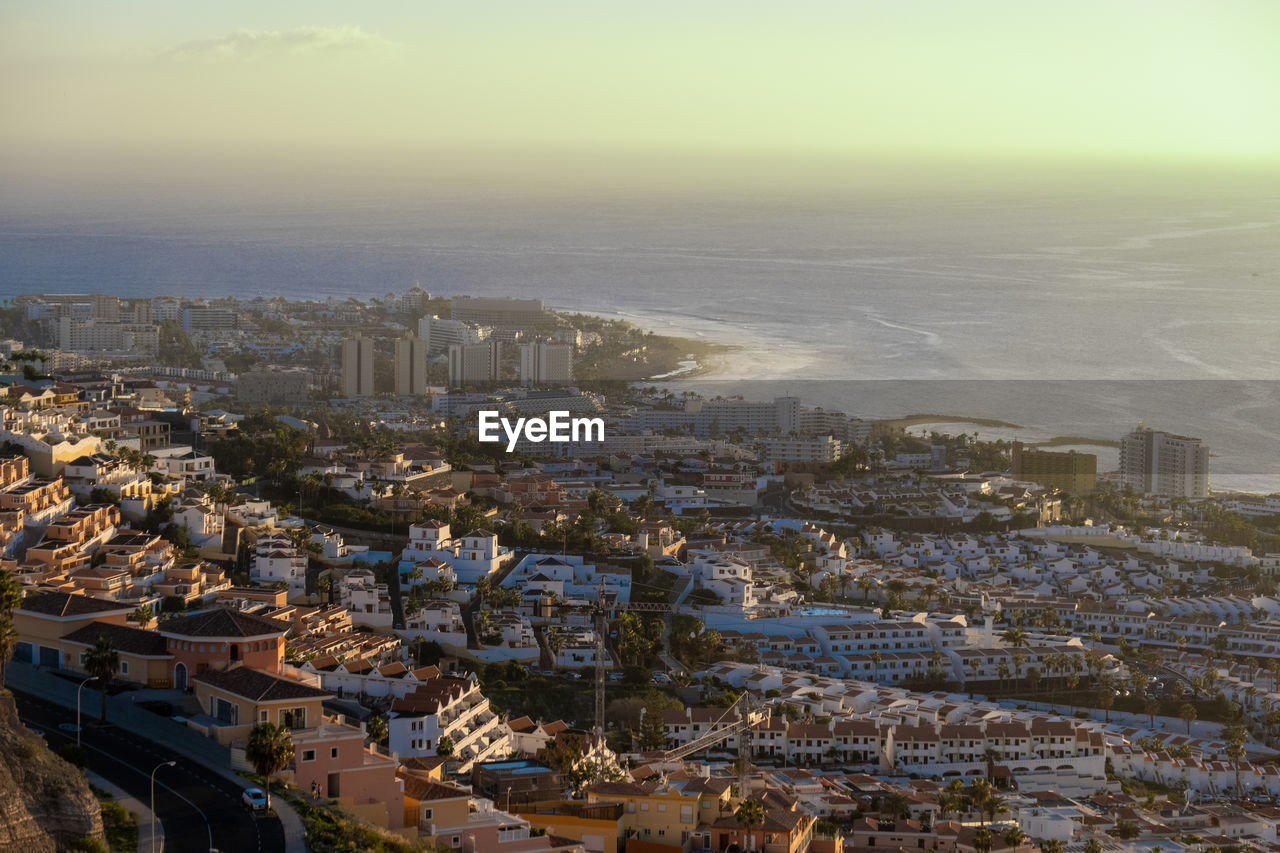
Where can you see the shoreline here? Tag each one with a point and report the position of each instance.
(920, 419)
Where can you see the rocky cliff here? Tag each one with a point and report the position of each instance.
(45, 803)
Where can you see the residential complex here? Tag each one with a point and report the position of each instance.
(799, 630)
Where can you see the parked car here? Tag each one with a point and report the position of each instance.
(661, 678)
(255, 798)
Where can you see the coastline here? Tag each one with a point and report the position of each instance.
(921, 419)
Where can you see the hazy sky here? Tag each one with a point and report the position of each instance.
(1153, 81)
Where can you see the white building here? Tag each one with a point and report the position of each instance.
(1161, 463)
(471, 557)
(543, 363)
(440, 334)
(453, 708)
(276, 559)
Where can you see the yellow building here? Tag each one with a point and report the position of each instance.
(144, 658)
(433, 806)
(597, 825)
(1072, 472)
(664, 812)
(44, 618)
(239, 698)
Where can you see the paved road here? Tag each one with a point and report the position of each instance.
(199, 810)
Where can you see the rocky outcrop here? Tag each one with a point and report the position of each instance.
(45, 803)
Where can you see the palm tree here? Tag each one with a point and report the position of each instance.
(1235, 737)
(749, 814)
(1188, 714)
(1092, 846)
(894, 805)
(1014, 837)
(1015, 636)
(951, 799)
(142, 615)
(978, 792)
(1152, 707)
(994, 806)
(8, 642)
(982, 840)
(269, 750)
(444, 746)
(10, 593)
(102, 661)
(376, 729)
(1051, 845)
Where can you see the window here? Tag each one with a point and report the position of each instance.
(293, 718)
(333, 752)
(124, 667)
(308, 755)
(457, 841)
(262, 716)
(426, 814)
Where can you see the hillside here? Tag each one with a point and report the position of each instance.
(45, 803)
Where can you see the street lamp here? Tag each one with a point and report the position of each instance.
(508, 799)
(153, 801)
(78, 689)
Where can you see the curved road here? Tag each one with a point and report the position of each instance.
(199, 809)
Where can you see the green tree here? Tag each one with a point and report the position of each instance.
(10, 593)
(652, 734)
(141, 616)
(102, 661)
(895, 805)
(982, 840)
(749, 814)
(377, 730)
(1051, 845)
(269, 750)
(1015, 636)
(1188, 713)
(8, 642)
(444, 746)
(1092, 846)
(1235, 737)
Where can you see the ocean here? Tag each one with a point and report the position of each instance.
(1071, 311)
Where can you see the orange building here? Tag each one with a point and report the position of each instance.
(332, 760)
(216, 639)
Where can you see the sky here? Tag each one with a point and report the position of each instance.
(145, 83)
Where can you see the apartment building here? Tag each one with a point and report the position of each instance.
(411, 367)
(1161, 463)
(448, 707)
(357, 359)
(477, 363)
(277, 559)
(543, 363)
(1071, 472)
